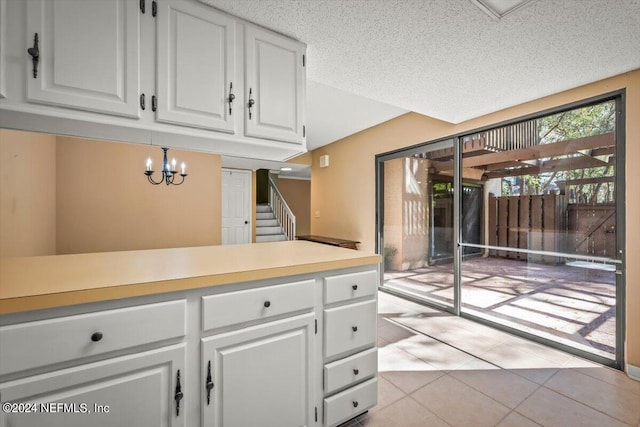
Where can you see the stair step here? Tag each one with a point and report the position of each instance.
(261, 231)
(265, 215)
(270, 238)
(263, 208)
(267, 223)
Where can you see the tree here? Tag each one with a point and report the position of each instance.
(581, 122)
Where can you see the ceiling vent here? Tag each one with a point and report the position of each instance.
(498, 9)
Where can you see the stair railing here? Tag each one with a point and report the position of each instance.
(282, 212)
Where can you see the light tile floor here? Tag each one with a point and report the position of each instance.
(440, 370)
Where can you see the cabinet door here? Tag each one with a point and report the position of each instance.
(261, 375)
(88, 54)
(195, 66)
(276, 80)
(136, 390)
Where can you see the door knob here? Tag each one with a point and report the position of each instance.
(246, 222)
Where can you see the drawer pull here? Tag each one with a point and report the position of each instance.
(267, 304)
(356, 371)
(354, 328)
(96, 336)
(354, 287)
(355, 403)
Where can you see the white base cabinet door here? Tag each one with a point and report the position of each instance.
(196, 53)
(87, 55)
(137, 390)
(260, 375)
(275, 86)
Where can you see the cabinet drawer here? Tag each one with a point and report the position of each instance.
(350, 370)
(46, 342)
(254, 304)
(350, 286)
(350, 327)
(350, 403)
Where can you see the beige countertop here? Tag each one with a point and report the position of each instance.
(33, 283)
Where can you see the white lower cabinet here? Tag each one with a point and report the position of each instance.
(239, 355)
(350, 403)
(349, 346)
(260, 375)
(136, 390)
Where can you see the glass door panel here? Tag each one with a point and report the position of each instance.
(417, 226)
(545, 260)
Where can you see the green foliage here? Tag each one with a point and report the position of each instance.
(388, 253)
(582, 122)
(593, 120)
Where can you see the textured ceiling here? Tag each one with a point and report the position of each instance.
(448, 59)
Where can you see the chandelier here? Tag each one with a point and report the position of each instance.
(169, 171)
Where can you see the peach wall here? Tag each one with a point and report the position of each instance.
(106, 204)
(27, 194)
(343, 194)
(297, 194)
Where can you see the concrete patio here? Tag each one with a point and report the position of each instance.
(571, 304)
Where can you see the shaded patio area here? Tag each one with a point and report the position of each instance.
(571, 303)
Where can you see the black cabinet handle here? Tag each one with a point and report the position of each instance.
(356, 371)
(179, 394)
(251, 102)
(209, 383)
(96, 336)
(354, 328)
(267, 304)
(355, 403)
(354, 287)
(231, 97)
(35, 55)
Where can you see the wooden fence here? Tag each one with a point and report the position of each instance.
(548, 223)
(527, 222)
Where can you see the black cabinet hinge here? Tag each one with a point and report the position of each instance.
(304, 60)
(143, 6)
(154, 8)
(316, 414)
(316, 326)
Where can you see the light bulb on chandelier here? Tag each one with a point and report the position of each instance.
(168, 170)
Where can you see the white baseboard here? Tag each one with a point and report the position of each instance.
(633, 372)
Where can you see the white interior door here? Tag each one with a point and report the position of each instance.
(236, 206)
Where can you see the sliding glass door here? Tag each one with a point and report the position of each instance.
(518, 226)
(418, 212)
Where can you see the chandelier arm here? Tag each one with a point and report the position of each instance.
(151, 179)
(180, 183)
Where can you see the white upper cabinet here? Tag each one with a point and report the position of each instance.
(196, 57)
(274, 87)
(175, 73)
(87, 55)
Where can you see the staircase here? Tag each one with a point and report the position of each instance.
(267, 227)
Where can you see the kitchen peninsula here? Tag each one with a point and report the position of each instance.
(271, 334)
